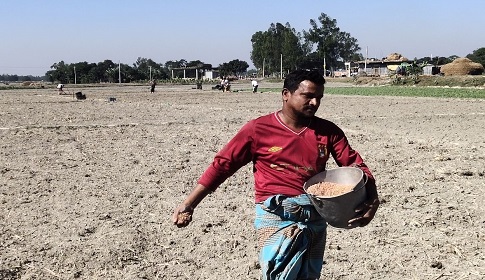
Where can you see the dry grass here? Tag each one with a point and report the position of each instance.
(462, 66)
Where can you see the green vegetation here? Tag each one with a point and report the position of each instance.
(143, 70)
(425, 86)
(234, 68)
(420, 81)
(452, 81)
(409, 91)
(323, 44)
(478, 55)
(442, 92)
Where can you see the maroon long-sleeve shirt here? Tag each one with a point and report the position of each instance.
(283, 160)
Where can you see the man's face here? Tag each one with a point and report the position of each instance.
(304, 102)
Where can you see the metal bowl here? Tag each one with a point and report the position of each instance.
(338, 210)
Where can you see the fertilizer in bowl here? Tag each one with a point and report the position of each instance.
(328, 189)
(336, 193)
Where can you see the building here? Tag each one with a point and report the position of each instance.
(377, 68)
(197, 73)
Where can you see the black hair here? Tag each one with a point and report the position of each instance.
(293, 80)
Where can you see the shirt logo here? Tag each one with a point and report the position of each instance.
(278, 167)
(274, 149)
(287, 166)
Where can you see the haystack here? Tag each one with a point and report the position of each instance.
(395, 57)
(462, 66)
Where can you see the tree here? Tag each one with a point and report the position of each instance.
(435, 60)
(59, 73)
(453, 57)
(85, 72)
(176, 64)
(293, 49)
(478, 56)
(195, 63)
(357, 57)
(259, 49)
(142, 67)
(107, 71)
(9, 78)
(234, 67)
(279, 41)
(311, 61)
(128, 74)
(329, 43)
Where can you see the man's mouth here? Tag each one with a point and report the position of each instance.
(312, 109)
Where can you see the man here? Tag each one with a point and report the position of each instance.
(254, 83)
(226, 85)
(286, 148)
(60, 88)
(152, 86)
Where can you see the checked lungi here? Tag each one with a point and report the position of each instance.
(291, 238)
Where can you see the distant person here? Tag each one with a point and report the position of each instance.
(222, 84)
(152, 86)
(226, 85)
(254, 83)
(60, 88)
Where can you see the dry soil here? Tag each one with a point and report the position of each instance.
(87, 188)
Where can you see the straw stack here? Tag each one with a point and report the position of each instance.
(462, 66)
(395, 57)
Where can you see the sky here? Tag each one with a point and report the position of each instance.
(36, 34)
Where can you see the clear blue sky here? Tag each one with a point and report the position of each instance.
(36, 34)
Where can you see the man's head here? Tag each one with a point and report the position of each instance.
(293, 80)
(302, 92)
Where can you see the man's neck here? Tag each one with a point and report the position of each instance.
(293, 121)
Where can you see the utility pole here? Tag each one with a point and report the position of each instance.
(324, 64)
(264, 60)
(281, 66)
(150, 73)
(75, 78)
(119, 72)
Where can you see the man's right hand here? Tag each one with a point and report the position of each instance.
(182, 215)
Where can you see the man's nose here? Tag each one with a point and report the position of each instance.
(314, 101)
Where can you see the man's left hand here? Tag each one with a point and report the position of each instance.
(366, 211)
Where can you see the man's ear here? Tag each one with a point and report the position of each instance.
(285, 93)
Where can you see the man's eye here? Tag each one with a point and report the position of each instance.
(313, 96)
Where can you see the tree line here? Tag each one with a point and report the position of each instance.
(143, 69)
(281, 48)
(20, 78)
(323, 46)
